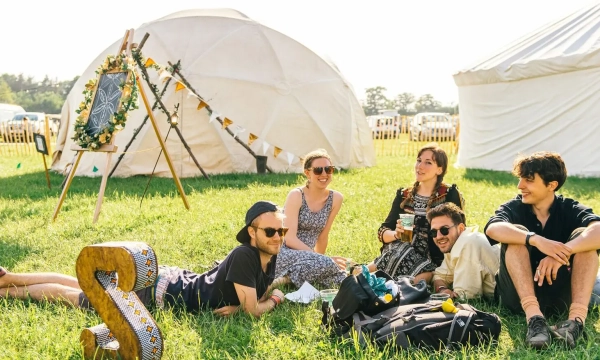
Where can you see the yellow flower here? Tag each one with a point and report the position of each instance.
(118, 127)
(102, 138)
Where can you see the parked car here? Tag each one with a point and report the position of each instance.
(20, 126)
(432, 127)
(383, 127)
(8, 111)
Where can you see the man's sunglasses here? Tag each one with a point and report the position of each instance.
(270, 232)
(318, 170)
(445, 230)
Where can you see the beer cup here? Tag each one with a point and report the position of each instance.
(407, 221)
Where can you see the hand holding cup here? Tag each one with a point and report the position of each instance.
(407, 223)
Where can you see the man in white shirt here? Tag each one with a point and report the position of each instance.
(470, 262)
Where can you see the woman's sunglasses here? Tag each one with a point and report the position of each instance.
(445, 230)
(318, 170)
(270, 232)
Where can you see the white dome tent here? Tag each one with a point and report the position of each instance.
(541, 92)
(265, 82)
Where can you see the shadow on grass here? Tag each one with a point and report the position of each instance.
(33, 185)
(497, 178)
(12, 254)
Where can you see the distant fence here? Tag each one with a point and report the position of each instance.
(405, 135)
(16, 136)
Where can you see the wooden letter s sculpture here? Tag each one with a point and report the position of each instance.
(109, 274)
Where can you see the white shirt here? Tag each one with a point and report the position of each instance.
(471, 265)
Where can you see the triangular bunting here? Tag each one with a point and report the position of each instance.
(179, 86)
(238, 130)
(190, 94)
(276, 151)
(265, 147)
(163, 73)
(226, 122)
(251, 138)
(202, 105)
(290, 158)
(213, 116)
(149, 63)
(95, 169)
(18, 165)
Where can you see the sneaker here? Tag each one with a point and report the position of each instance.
(538, 333)
(568, 331)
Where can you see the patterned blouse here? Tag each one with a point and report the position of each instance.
(422, 242)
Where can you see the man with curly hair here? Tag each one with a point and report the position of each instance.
(549, 258)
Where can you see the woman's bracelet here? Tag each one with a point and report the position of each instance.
(440, 288)
(395, 237)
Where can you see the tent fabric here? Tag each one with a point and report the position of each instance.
(537, 97)
(570, 44)
(265, 82)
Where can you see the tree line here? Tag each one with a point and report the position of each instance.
(405, 103)
(46, 96)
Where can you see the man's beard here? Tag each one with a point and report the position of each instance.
(263, 247)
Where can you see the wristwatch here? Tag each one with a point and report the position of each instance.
(529, 235)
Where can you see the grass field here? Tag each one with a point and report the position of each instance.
(193, 239)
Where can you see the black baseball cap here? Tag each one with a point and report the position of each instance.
(255, 211)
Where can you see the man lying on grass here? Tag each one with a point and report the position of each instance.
(470, 262)
(549, 259)
(243, 279)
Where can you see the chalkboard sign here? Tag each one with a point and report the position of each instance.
(40, 143)
(106, 102)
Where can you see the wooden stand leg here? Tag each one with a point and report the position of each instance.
(66, 188)
(102, 186)
(46, 170)
(162, 145)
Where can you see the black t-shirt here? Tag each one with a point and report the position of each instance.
(566, 215)
(215, 288)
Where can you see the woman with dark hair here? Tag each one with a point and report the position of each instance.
(310, 211)
(419, 257)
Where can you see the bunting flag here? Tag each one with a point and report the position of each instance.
(201, 105)
(237, 131)
(265, 147)
(179, 86)
(251, 138)
(162, 74)
(95, 169)
(18, 165)
(149, 63)
(213, 116)
(226, 122)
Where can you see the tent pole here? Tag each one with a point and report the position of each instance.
(189, 86)
(137, 131)
(164, 109)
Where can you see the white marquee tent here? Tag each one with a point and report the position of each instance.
(265, 82)
(541, 92)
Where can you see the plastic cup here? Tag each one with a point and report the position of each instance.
(439, 296)
(407, 221)
(328, 294)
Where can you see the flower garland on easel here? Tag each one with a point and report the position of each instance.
(128, 102)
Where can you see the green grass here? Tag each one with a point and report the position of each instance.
(30, 241)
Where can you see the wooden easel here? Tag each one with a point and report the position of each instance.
(110, 148)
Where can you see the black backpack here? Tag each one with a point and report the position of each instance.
(419, 325)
